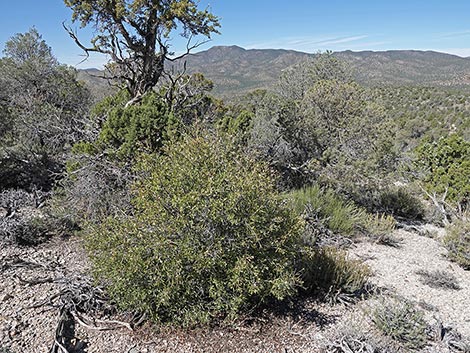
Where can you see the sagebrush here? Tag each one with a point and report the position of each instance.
(401, 321)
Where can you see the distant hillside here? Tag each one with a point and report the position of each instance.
(98, 86)
(409, 67)
(235, 70)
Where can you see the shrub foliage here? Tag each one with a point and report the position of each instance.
(401, 203)
(401, 321)
(457, 241)
(447, 166)
(210, 237)
(330, 270)
(338, 215)
(130, 129)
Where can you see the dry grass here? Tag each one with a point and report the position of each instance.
(401, 321)
(438, 279)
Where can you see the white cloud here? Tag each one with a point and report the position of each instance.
(307, 44)
(340, 40)
(367, 45)
(455, 34)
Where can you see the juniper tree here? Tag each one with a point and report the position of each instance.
(136, 35)
(43, 111)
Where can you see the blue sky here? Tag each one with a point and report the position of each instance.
(304, 25)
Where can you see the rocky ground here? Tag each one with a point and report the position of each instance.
(36, 281)
(398, 270)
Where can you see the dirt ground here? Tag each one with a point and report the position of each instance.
(32, 277)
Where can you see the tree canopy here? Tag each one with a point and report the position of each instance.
(43, 109)
(136, 34)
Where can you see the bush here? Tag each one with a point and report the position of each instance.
(356, 337)
(26, 219)
(338, 215)
(25, 229)
(325, 212)
(447, 338)
(47, 113)
(94, 188)
(329, 270)
(438, 279)
(400, 320)
(100, 170)
(209, 238)
(457, 241)
(399, 202)
(128, 130)
(379, 227)
(27, 169)
(446, 163)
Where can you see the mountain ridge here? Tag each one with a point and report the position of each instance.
(236, 70)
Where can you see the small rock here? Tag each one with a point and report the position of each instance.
(5, 297)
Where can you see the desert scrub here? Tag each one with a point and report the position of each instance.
(438, 279)
(22, 221)
(128, 130)
(329, 270)
(380, 227)
(457, 241)
(327, 209)
(401, 203)
(355, 336)
(401, 321)
(338, 215)
(446, 166)
(210, 237)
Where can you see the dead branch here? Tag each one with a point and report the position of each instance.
(442, 207)
(34, 282)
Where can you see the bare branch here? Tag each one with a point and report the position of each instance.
(87, 50)
(189, 47)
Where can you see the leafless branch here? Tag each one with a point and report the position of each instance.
(86, 50)
(189, 48)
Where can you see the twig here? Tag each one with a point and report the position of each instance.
(34, 282)
(82, 321)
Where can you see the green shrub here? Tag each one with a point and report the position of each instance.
(209, 238)
(401, 321)
(338, 215)
(128, 130)
(380, 227)
(457, 241)
(401, 203)
(329, 270)
(237, 126)
(446, 163)
(99, 171)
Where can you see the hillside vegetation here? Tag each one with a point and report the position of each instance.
(235, 70)
(199, 212)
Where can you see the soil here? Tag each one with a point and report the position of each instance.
(31, 276)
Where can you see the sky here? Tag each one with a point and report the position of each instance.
(303, 25)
